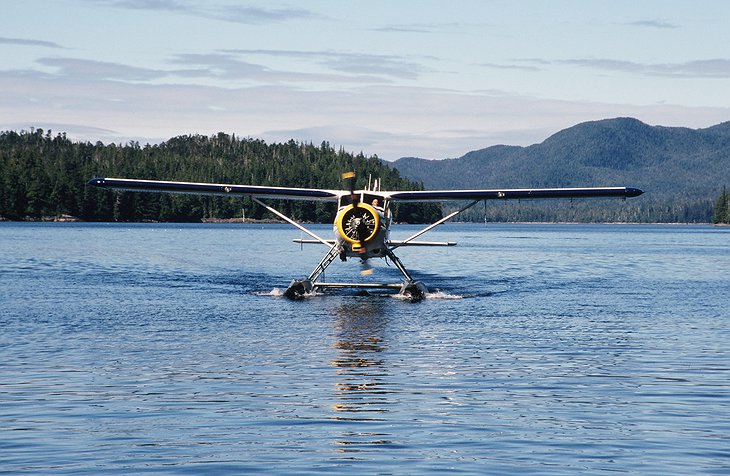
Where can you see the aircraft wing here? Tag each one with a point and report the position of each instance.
(515, 194)
(223, 190)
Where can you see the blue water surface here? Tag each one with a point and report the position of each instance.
(541, 349)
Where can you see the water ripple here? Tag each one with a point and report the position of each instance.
(569, 350)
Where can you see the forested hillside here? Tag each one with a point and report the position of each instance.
(42, 175)
(721, 214)
(681, 171)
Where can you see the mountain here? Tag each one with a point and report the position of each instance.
(681, 170)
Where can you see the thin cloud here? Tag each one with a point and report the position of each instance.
(100, 70)
(221, 66)
(230, 13)
(712, 68)
(26, 42)
(653, 24)
(404, 29)
(229, 66)
(158, 5)
(370, 65)
(605, 64)
(517, 67)
(418, 28)
(389, 121)
(214, 67)
(386, 65)
(257, 16)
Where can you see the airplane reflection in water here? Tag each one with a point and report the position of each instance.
(363, 389)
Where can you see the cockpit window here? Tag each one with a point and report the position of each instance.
(374, 200)
(345, 200)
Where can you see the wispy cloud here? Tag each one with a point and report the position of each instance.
(711, 68)
(220, 65)
(389, 121)
(229, 65)
(362, 63)
(26, 42)
(158, 5)
(100, 70)
(231, 13)
(254, 15)
(220, 68)
(653, 24)
(518, 67)
(419, 28)
(404, 29)
(353, 63)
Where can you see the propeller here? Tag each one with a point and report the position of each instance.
(349, 177)
(357, 223)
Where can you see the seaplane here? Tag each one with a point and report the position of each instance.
(362, 223)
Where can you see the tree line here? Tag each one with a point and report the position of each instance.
(721, 214)
(42, 176)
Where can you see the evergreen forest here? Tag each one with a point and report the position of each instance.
(721, 214)
(43, 176)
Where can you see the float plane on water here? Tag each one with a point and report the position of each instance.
(363, 220)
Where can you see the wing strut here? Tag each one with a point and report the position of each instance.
(433, 225)
(291, 222)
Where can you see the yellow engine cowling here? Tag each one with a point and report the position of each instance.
(358, 225)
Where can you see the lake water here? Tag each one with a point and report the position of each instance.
(542, 349)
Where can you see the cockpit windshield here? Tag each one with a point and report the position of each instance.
(376, 201)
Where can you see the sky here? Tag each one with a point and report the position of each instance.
(411, 78)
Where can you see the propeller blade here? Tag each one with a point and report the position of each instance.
(349, 177)
(366, 269)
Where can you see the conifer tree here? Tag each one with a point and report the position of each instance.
(722, 208)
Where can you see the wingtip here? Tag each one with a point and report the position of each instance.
(633, 192)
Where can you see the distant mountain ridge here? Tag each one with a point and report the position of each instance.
(681, 170)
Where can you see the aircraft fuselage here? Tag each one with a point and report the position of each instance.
(362, 225)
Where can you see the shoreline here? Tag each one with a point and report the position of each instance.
(273, 221)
